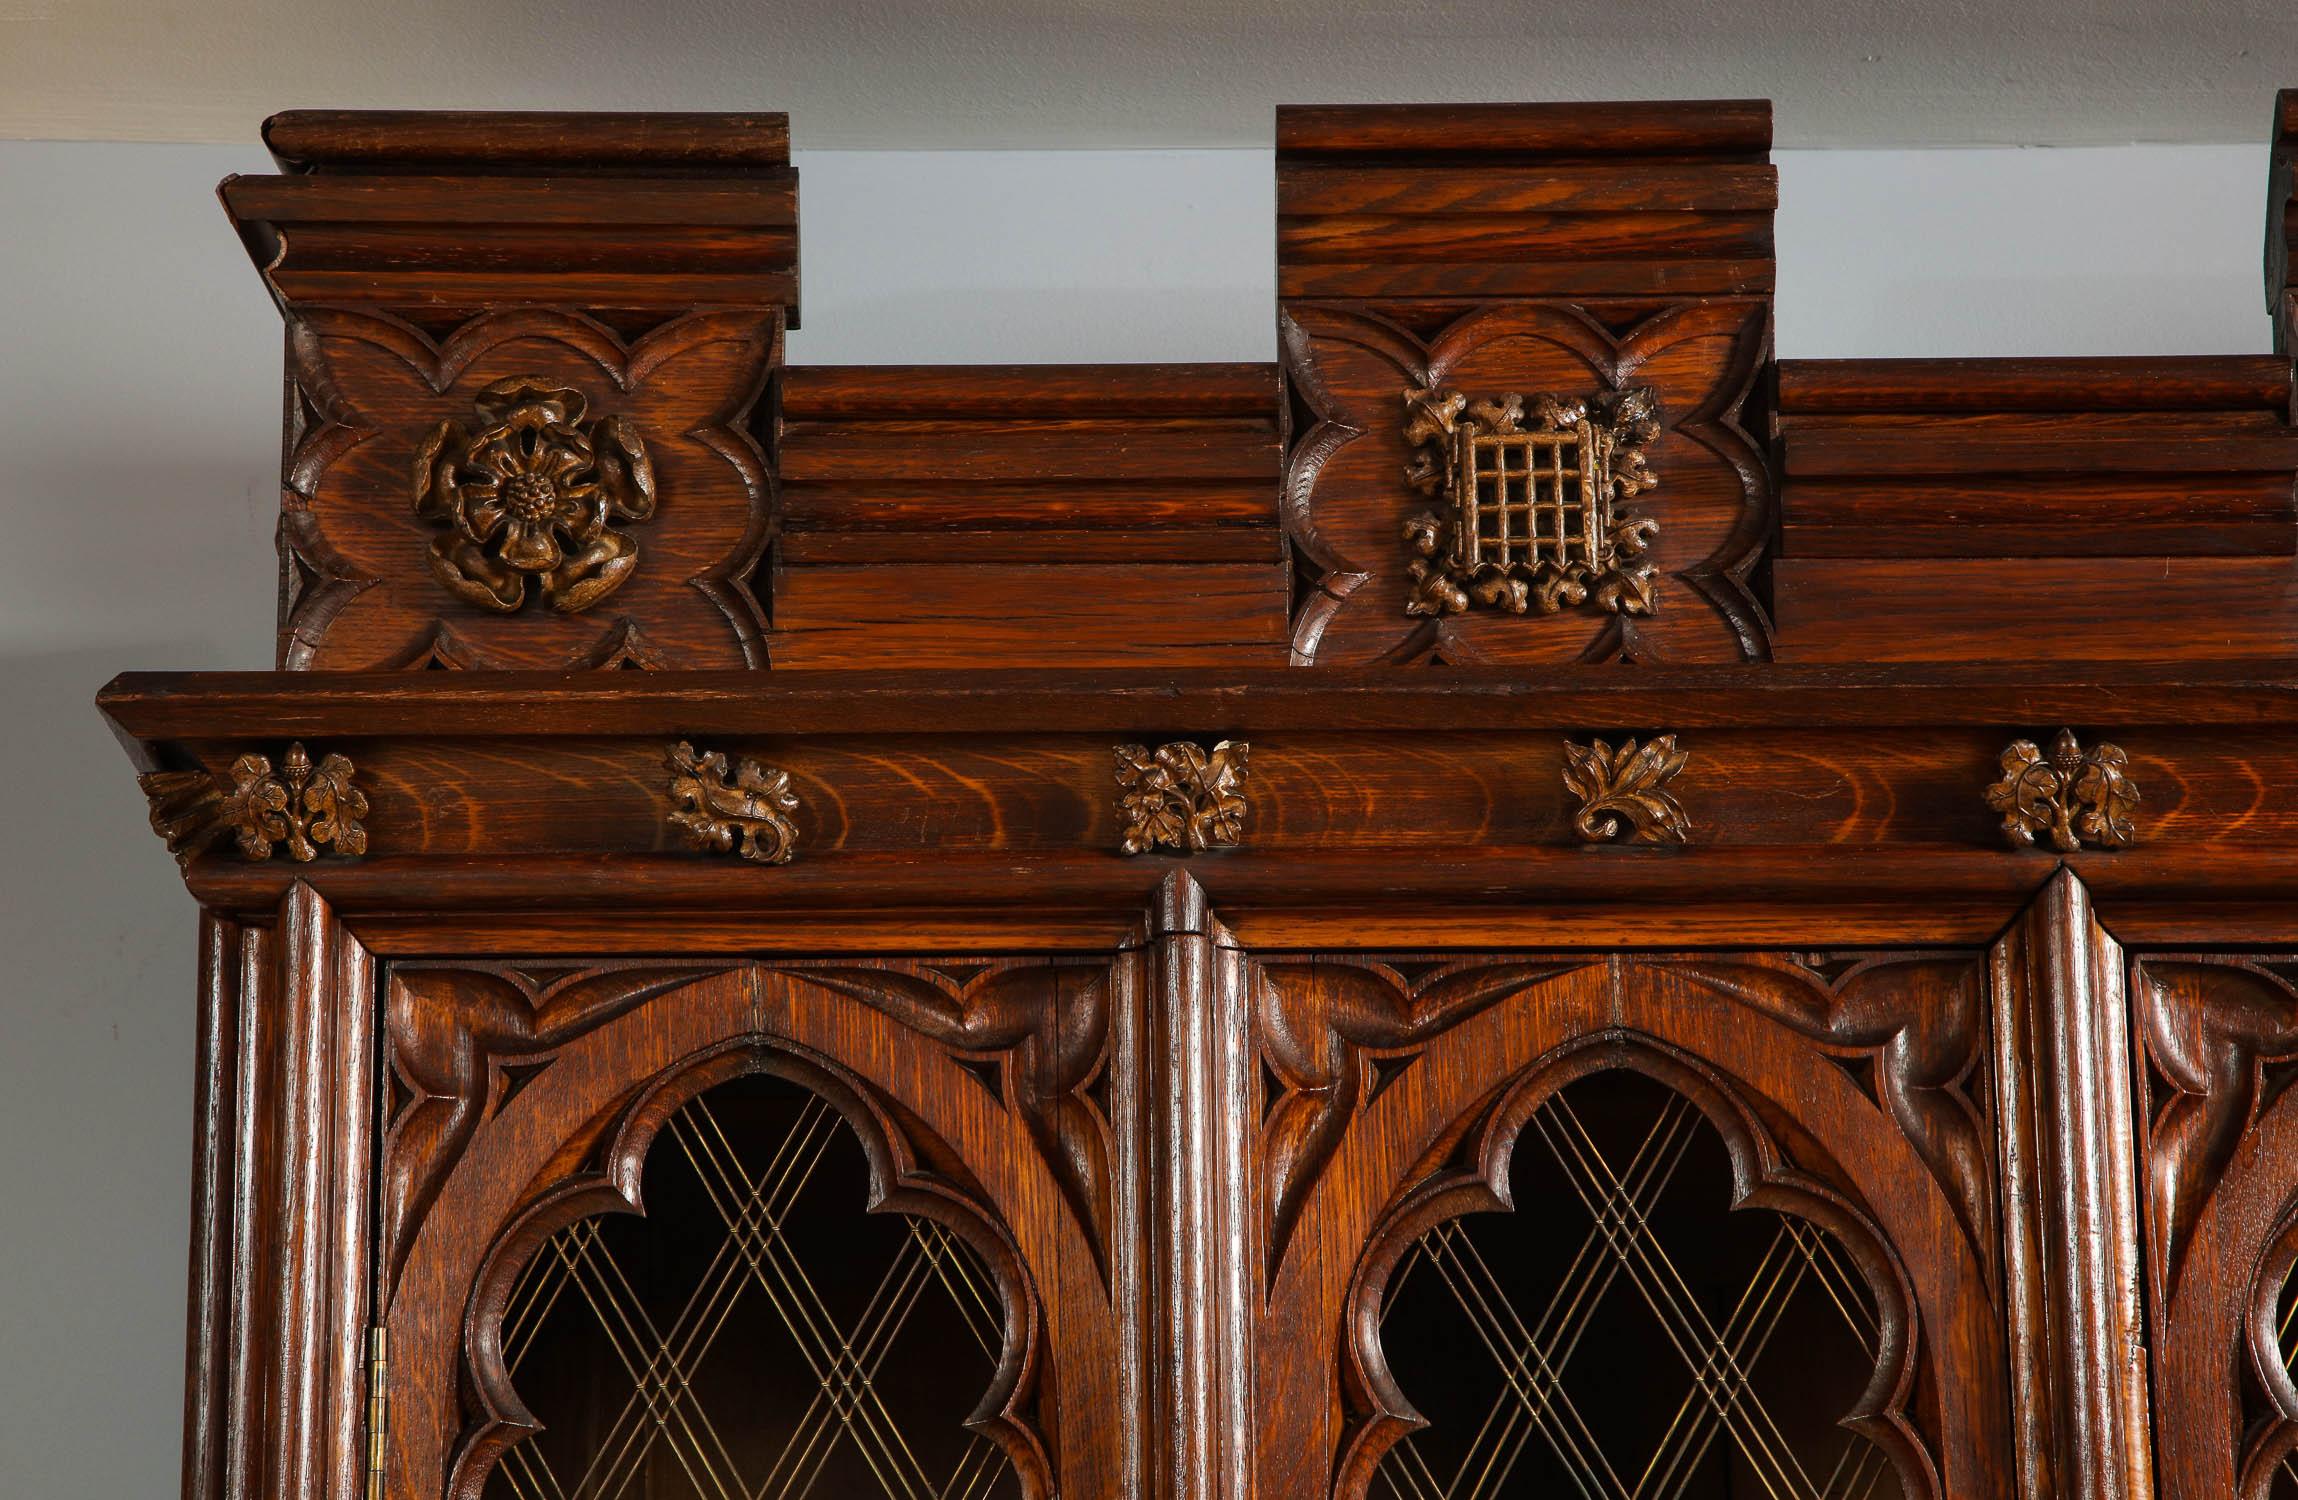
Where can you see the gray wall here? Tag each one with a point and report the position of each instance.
(139, 417)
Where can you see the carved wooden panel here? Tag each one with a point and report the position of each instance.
(1849, 1089)
(523, 357)
(1701, 1079)
(527, 1103)
(365, 584)
(1525, 253)
(2217, 1041)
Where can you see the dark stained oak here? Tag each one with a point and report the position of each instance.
(692, 723)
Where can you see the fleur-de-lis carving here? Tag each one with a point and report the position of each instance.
(532, 496)
(1625, 790)
(2071, 794)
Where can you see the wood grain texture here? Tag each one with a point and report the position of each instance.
(276, 1372)
(1105, 514)
(360, 588)
(447, 215)
(1191, 1117)
(1569, 251)
(1524, 201)
(2086, 509)
(1469, 1046)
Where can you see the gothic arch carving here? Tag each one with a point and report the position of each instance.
(1819, 1094)
(1477, 1181)
(910, 1173)
(2218, 1036)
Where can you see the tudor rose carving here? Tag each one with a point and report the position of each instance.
(302, 805)
(2072, 794)
(532, 496)
(1625, 790)
(718, 808)
(1529, 519)
(1181, 796)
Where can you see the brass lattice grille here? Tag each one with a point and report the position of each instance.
(1527, 500)
(2284, 1485)
(1610, 1338)
(757, 1336)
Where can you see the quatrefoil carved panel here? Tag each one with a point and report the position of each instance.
(1348, 499)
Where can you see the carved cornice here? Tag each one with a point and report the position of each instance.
(1182, 796)
(720, 809)
(2070, 795)
(1625, 790)
(304, 806)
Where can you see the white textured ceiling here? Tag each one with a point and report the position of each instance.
(1037, 73)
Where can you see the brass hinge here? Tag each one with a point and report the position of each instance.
(378, 1406)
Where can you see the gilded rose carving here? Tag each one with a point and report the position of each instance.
(532, 496)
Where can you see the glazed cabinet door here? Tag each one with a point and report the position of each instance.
(755, 1230)
(1672, 1225)
(1801, 1223)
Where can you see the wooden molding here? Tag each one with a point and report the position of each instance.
(2072, 1271)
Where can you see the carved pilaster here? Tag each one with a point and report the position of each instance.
(2070, 1213)
(1184, 1078)
(280, 1232)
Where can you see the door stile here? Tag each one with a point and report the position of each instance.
(2072, 1249)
